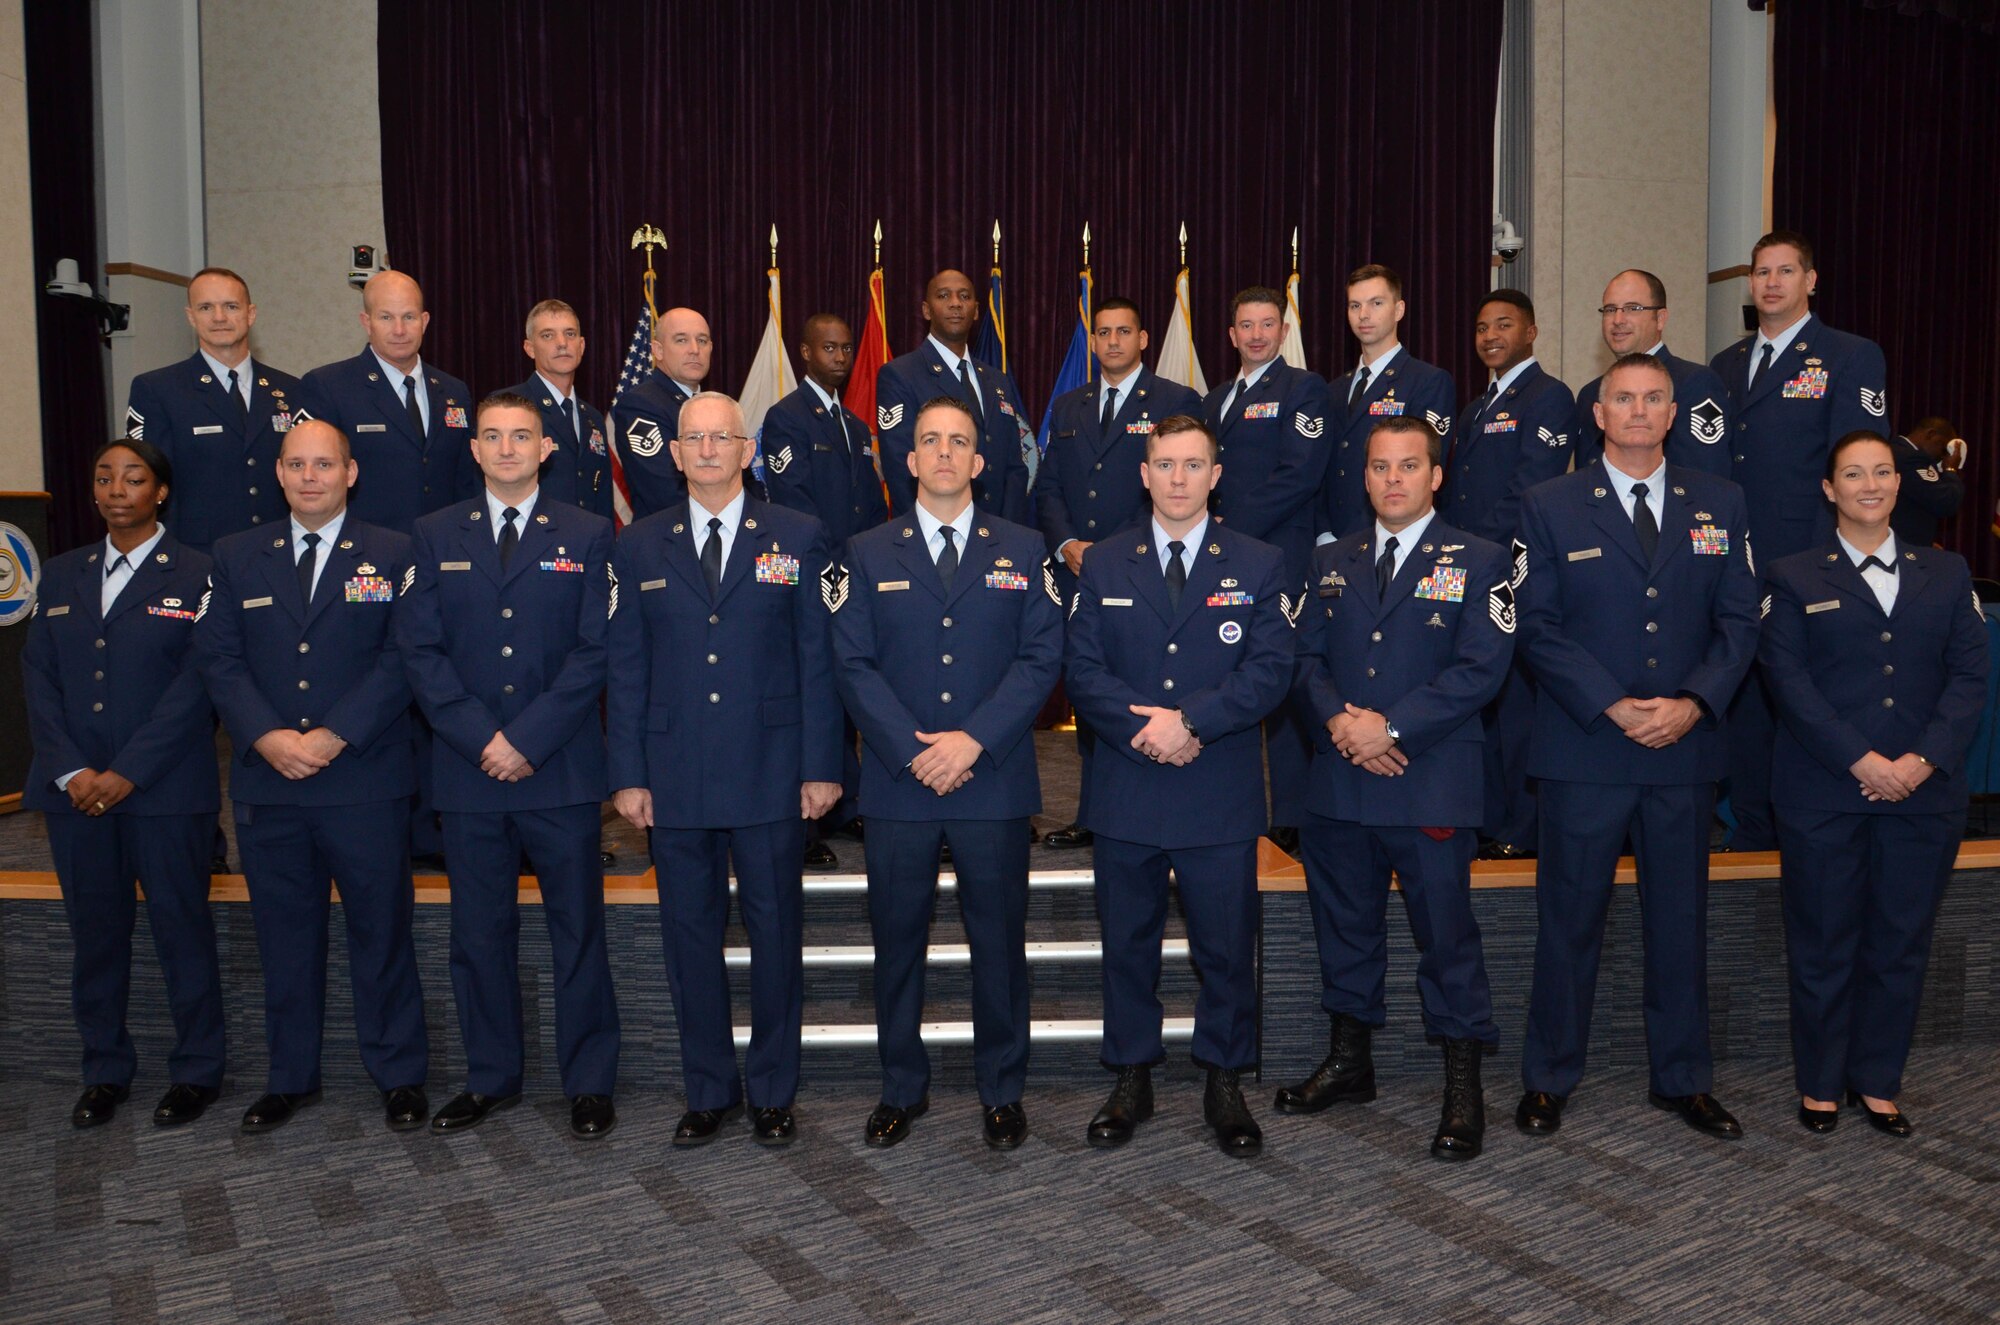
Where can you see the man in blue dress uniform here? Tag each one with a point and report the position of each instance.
(646, 418)
(1502, 444)
(218, 416)
(1634, 316)
(1270, 424)
(1088, 486)
(943, 366)
(1928, 457)
(579, 470)
(817, 459)
(1388, 382)
(408, 421)
(503, 631)
(1795, 388)
(1639, 617)
(1407, 633)
(298, 653)
(725, 733)
(1180, 644)
(947, 639)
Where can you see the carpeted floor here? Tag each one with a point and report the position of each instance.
(1625, 1216)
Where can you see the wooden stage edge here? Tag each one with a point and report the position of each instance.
(1276, 873)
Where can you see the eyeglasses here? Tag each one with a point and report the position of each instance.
(1630, 310)
(719, 438)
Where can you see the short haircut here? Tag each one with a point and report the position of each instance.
(505, 400)
(1640, 361)
(814, 319)
(548, 306)
(1507, 295)
(948, 402)
(151, 456)
(1256, 294)
(1409, 423)
(218, 271)
(1116, 303)
(1855, 438)
(1791, 237)
(1179, 423)
(1375, 271)
(346, 446)
(735, 407)
(1656, 289)
(1934, 423)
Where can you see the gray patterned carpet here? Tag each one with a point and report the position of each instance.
(1626, 1215)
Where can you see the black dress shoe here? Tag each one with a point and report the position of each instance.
(1284, 837)
(889, 1124)
(607, 858)
(1540, 1113)
(467, 1109)
(218, 864)
(592, 1117)
(773, 1127)
(98, 1105)
(1505, 851)
(1223, 1108)
(853, 829)
(428, 860)
(1701, 1112)
(1073, 838)
(1819, 1120)
(1348, 1072)
(944, 853)
(406, 1108)
(1034, 835)
(274, 1110)
(1129, 1104)
(1006, 1126)
(819, 856)
(1461, 1129)
(183, 1104)
(698, 1127)
(1892, 1123)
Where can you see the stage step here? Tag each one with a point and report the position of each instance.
(957, 954)
(1066, 1031)
(834, 885)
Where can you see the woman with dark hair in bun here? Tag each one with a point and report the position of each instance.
(125, 773)
(1876, 656)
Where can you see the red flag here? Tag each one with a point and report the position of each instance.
(869, 356)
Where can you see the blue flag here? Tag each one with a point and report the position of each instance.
(991, 347)
(1079, 365)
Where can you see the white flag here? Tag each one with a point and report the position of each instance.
(1178, 362)
(771, 377)
(1293, 351)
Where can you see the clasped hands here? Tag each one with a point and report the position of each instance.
(946, 762)
(1655, 723)
(1886, 779)
(1361, 736)
(299, 755)
(1165, 739)
(94, 793)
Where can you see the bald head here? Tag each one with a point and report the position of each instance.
(315, 470)
(682, 345)
(392, 313)
(311, 432)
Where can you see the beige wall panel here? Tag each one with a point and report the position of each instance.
(20, 391)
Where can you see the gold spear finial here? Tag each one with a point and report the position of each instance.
(878, 241)
(774, 244)
(996, 242)
(1086, 243)
(1295, 250)
(1183, 243)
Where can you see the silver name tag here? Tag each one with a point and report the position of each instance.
(1827, 606)
(651, 584)
(207, 429)
(1586, 554)
(1116, 602)
(371, 427)
(249, 603)
(57, 611)
(454, 565)
(888, 585)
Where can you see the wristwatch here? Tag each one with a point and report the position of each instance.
(1395, 737)
(1189, 725)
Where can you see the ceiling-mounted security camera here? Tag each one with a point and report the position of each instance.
(68, 283)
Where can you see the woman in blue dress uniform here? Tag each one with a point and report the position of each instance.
(1876, 656)
(125, 772)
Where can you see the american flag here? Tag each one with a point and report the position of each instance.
(638, 366)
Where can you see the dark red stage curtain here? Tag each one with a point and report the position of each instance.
(522, 143)
(1888, 159)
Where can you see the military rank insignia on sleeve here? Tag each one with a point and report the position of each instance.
(135, 424)
(1308, 428)
(1049, 582)
(888, 416)
(833, 586)
(1764, 609)
(1875, 402)
(1500, 606)
(778, 463)
(611, 605)
(1291, 605)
